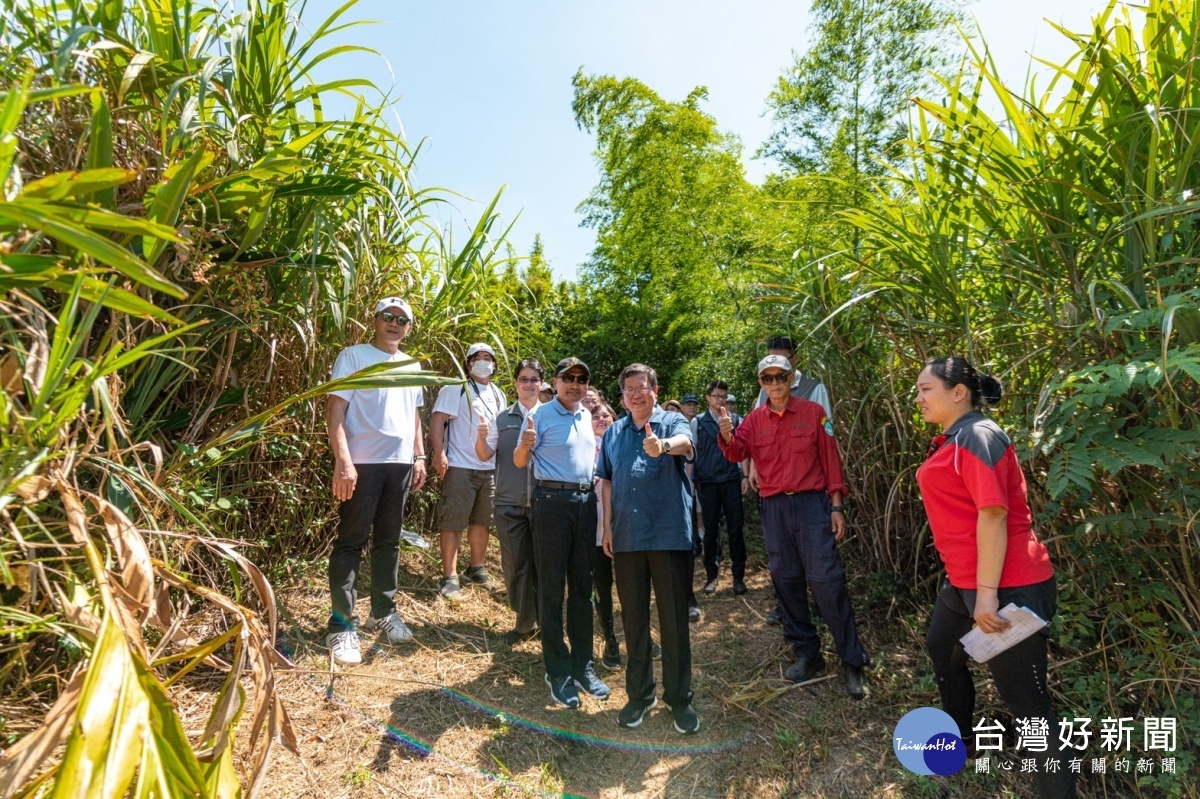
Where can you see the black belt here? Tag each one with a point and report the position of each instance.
(557, 485)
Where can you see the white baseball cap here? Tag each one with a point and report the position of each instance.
(730, 398)
(474, 348)
(774, 362)
(394, 302)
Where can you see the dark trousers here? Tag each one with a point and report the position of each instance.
(717, 500)
(669, 573)
(802, 555)
(564, 538)
(514, 528)
(375, 514)
(603, 582)
(1019, 674)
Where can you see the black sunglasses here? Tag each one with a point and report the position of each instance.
(779, 377)
(569, 378)
(390, 317)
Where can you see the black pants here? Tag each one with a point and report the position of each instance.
(603, 581)
(514, 528)
(1019, 674)
(802, 555)
(564, 538)
(669, 573)
(717, 500)
(375, 514)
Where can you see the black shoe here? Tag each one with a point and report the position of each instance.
(632, 714)
(805, 668)
(854, 682)
(612, 655)
(589, 683)
(710, 587)
(686, 720)
(655, 651)
(739, 588)
(773, 617)
(562, 691)
(693, 612)
(514, 637)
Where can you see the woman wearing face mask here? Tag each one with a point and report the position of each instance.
(975, 496)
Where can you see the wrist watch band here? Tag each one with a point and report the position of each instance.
(837, 509)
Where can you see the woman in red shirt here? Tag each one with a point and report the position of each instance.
(975, 497)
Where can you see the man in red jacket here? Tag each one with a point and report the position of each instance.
(801, 485)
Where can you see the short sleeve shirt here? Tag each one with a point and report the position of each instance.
(565, 447)
(975, 466)
(651, 497)
(381, 423)
(464, 405)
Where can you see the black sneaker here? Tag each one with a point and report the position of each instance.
(655, 651)
(686, 720)
(854, 682)
(693, 612)
(710, 587)
(562, 691)
(612, 655)
(589, 683)
(515, 637)
(773, 617)
(632, 714)
(478, 575)
(805, 668)
(739, 588)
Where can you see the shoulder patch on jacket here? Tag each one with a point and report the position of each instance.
(827, 425)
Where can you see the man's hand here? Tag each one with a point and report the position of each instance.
(483, 428)
(345, 477)
(838, 519)
(725, 425)
(652, 444)
(528, 435)
(440, 463)
(606, 541)
(752, 476)
(419, 474)
(745, 485)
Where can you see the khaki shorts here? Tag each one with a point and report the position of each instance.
(466, 499)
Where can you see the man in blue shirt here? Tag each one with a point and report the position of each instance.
(558, 438)
(647, 502)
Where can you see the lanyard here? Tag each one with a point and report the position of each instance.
(491, 414)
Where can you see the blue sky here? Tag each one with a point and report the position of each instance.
(487, 84)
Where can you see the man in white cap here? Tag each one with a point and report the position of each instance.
(379, 454)
(468, 483)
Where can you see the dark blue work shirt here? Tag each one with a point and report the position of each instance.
(651, 497)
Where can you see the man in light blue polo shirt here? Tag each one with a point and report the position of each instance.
(647, 500)
(558, 438)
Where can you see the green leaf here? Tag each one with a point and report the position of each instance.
(166, 200)
(64, 185)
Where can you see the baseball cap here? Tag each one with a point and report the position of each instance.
(571, 363)
(546, 387)
(394, 302)
(476, 348)
(774, 362)
(690, 398)
(731, 398)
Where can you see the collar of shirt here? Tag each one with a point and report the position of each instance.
(517, 409)
(563, 410)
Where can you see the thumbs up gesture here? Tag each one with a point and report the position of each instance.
(652, 444)
(483, 428)
(528, 435)
(725, 424)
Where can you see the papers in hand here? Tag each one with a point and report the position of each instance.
(1023, 623)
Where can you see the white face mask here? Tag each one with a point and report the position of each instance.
(482, 369)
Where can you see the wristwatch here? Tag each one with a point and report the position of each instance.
(837, 509)
(667, 445)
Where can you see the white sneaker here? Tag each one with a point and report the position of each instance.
(396, 630)
(344, 648)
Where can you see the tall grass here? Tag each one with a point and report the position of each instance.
(186, 241)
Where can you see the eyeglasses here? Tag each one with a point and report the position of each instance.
(389, 317)
(633, 392)
(536, 381)
(570, 378)
(778, 377)
(719, 397)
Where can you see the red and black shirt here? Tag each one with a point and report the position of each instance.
(973, 465)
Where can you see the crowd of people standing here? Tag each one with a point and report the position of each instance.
(584, 498)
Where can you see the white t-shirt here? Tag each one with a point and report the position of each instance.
(464, 404)
(381, 423)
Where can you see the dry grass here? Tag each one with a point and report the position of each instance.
(457, 713)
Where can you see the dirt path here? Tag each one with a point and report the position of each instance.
(458, 713)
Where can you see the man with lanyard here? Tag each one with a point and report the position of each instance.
(558, 438)
(802, 386)
(378, 453)
(801, 483)
(514, 489)
(647, 500)
(467, 481)
(720, 486)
